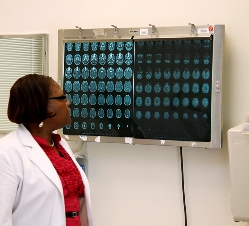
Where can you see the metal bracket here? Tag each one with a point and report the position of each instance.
(80, 31)
(152, 29)
(115, 30)
(192, 28)
(217, 87)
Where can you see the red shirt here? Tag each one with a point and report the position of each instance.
(70, 177)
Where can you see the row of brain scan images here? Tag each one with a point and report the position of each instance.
(110, 100)
(127, 58)
(195, 44)
(126, 73)
(126, 87)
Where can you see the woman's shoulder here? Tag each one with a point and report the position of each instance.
(9, 138)
(12, 137)
(14, 141)
(10, 146)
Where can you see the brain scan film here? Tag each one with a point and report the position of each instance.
(151, 89)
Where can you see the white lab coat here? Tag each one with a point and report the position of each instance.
(31, 193)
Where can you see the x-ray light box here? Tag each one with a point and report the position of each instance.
(152, 85)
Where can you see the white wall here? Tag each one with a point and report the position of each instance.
(141, 185)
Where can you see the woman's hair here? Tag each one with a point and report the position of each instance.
(28, 99)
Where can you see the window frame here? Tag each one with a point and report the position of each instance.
(45, 68)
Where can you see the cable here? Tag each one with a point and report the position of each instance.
(183, 190)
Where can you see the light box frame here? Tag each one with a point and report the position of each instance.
(155, 33)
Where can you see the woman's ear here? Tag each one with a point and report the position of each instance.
(51, 114)
(50, 111)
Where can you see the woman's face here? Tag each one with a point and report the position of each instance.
(59, 107)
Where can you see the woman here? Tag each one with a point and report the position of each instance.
(41, 184)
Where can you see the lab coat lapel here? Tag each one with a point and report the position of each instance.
(38, 156)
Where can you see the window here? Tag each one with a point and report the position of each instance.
(19, 55)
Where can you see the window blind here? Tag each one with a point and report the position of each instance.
(19, 55)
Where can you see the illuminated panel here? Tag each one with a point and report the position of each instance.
(98, 80)
(167, 95)
(172, 89)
